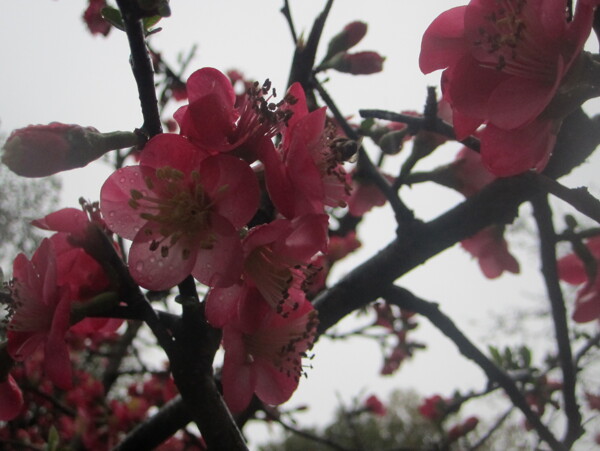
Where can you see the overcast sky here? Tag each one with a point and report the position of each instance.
(53, 70)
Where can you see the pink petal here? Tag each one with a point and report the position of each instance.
(172, 150)
(510, 152)
(222, 304)
(114, 201)
(70, 220)
(273, 386)
(11, 399)
(221, 265)
(57, 363)
(232, 185)
(154, 271)
(443, 43)
(571, 270)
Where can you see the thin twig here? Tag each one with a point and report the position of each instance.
(405, 299)
(579, 198)
(493, 429)
(285, 10)
(543, 217)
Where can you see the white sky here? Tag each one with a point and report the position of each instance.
(53, 70)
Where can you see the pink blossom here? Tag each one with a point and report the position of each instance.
(274, 257)
(41, 314)
(304, 174)
(505, 61)
(374, 405)
(265, 357)
(434, 408)
(183, 209)
(93, 17)
(572, 270)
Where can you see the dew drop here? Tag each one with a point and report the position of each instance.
(139, 266)
(111, 213)
(152, 259)
(122, 180)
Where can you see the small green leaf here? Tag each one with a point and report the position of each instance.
(53, 439)
(496, 357)
(525, 354)
(113, 16)
(149, 22)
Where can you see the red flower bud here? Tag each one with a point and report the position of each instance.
(41, 150)
(361, 63)
(347, 38)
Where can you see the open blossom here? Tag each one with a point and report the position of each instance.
(504, 62)
(214, 123)
(41, 315)
(183, 209)
(305, 174)
(276, 257)
(434, 408)
(265, 356)
(572, 270)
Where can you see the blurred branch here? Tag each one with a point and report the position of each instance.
(579, 198)
(405, 299)
(543, 217)
(285, 10)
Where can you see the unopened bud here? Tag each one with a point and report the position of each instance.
(361, 63)
(42, 150)
(347, 38)
(391, 143)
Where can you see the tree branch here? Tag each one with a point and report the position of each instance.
(543, 217)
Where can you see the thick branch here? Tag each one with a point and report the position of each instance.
(543, 217)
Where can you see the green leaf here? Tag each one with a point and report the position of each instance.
(113, 16)
(525, 354)
(53, 439)
(149, 22)
(496, 357)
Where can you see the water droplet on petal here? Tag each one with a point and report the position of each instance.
(122, 180)
(152, 259)
(111, 213)
(139, 266)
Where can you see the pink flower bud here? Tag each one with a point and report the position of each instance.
(42, 150)
(347, 38)
(374, 405)
(361, 63)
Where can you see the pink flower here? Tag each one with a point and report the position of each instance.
(183, 209)
(374, 405)
(365, 195)
(490, 249)
(76, 269)
(93, 17)
(214, 123)
(434, 408)
(505, 61)
(304, 174)
(265, 357)
(572, 270)
(11, 399)
(274, 256)
(41, 314)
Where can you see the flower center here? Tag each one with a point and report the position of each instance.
(179, 208)
(507, 43)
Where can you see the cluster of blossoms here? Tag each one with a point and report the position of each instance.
(192, 206)
(188, 208)
(507, 64)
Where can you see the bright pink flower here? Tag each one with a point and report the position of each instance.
(214, 123)
(93, 17)
(182, 209)
(572, 270)
(11, 399)
(304, 174)
(274, 256)
(41, 314)
(266, 357)
(373, 404)
(505, 61)
(490, 249)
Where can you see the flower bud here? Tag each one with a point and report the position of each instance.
(42, 150)
(361, 63)
(347, 38)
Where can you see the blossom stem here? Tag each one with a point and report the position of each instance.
(543, 217)
(141, 65)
